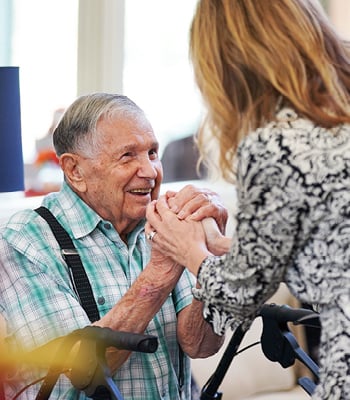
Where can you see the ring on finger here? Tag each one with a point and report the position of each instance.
(151, 235)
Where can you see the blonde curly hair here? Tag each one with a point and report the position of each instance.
(249, 56)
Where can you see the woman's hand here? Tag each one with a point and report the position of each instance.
(182, 240)
(199, 204)
(217, 243)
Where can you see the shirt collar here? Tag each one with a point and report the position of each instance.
(81, 218)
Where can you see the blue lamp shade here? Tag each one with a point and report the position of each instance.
(11, 155)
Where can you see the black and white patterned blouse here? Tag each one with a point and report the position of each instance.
(293, 225)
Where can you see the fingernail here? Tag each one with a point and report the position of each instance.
(181, 214)
(173, 207)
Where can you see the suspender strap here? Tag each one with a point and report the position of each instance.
(76, 269)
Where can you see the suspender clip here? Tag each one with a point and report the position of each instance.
(69, 252)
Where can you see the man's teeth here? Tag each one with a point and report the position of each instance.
(141, 191)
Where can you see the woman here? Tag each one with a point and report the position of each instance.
(275, 78)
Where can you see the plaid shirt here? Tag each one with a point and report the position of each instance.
(39, 303)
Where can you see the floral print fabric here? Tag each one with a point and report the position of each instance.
(293, 225)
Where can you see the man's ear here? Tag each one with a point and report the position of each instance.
(73, 171)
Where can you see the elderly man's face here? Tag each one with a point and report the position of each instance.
(126, 173)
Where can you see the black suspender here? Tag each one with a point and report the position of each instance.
(78, 275)
(76, 269)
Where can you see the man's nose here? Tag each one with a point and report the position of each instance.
(147, 168)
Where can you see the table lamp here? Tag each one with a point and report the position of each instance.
(11, 155)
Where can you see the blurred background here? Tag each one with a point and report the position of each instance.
(66, 48)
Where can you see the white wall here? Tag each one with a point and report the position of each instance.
(100, 46)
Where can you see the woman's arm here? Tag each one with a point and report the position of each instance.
(217, 243)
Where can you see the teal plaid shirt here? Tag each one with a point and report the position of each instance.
(39, 303)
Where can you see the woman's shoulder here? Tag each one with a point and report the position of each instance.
(290, 130)
(296, 146)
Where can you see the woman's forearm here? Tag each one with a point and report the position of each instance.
(222, 246)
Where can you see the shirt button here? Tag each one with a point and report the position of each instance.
(108, 226)
(101, 300)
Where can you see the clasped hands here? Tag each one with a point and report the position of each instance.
(187, 226)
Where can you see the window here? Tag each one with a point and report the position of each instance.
(41, 37)
(157, 72)
(44, 46)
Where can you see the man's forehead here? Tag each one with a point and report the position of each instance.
(128, 138)
(127, 123)
(135, 144)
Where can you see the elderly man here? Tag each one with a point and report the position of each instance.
(109, 155)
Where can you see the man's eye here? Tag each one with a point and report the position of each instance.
(128, 154)
(153, 154)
